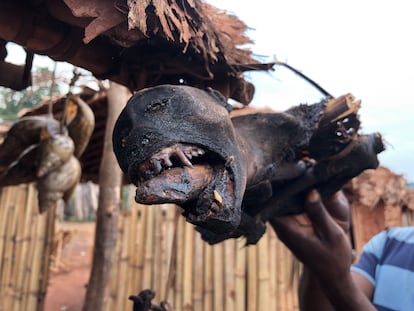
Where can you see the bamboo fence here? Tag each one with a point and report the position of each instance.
(25, 245)
(192, 275)
(158, 250)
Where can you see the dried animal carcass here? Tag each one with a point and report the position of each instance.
(178, 144)
(43, 150)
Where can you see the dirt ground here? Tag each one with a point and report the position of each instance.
(67, 282)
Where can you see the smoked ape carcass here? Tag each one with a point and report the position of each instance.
(178, 144)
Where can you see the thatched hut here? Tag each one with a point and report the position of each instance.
(380, 199)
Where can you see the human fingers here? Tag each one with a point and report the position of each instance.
(323, 223)
(299, 238)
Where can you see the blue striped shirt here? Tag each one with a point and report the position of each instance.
(387, 261)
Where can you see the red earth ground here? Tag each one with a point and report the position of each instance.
(67, 281)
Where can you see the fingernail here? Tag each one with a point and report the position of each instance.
(313, 196)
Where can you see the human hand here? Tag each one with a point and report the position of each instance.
(318, 237)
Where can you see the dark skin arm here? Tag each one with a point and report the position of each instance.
(319, 240)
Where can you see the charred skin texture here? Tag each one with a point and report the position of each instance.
(36, 150)
(163, 126)
(178, 144)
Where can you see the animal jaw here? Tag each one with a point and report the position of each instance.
(156, 135)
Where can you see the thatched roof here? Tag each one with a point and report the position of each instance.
(380, 185)
(137, 43)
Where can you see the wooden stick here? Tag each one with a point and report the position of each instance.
(22, 242)
(9, 260)
(35, 218)
(132, 248)
(229, 274)
(158, 287)
(198, 273)
(140, 256)
(113, 288)
(279, 277)
(4, 213)
(23, 239)
(180, 265)
(218, 273)
(171, 222)
(149, 249)
(188, 266)
(251, 279)
(263, 299)
(272, 267)
(240, 275)
(36, 263)
(123, 262)
(208, 278)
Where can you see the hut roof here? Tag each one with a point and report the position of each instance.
(137, 43)
(381, 184)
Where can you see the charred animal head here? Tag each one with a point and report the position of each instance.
(177, 145)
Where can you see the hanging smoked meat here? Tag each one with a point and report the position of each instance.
(44, 150)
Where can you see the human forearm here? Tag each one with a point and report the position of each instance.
(344, 294)
(325, 250)
(311, 296)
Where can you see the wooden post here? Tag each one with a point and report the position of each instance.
(110, 181)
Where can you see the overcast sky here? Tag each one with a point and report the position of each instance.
(361, 47)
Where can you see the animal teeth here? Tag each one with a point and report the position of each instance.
(167, 161)
(182, 157)
(163, 159)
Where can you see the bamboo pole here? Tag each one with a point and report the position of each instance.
(163, 252)
(123, 263)
(263, 299)
(218, 274)
(133, 246)
(272, 268)
(198, 273)
(35, 218)
(36, 264)
(149, 249)
(229, 274)
(279, 278)
(4, 212)
(180, 265)
(208, 278)
(240, 275)
(140, 256)
(157, 251)
(22, 245)
(171, 221)
(252, 278)
(9, 253)
(113, 288)
(188, 267)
